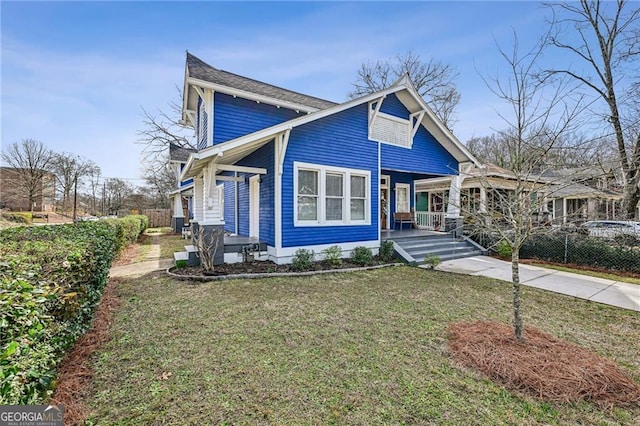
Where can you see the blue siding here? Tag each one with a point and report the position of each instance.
(263, 157)
(392, 106)
(340, 140)
(426, 156)
(184, 183)
(235, 117)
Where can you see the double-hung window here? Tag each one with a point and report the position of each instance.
(331, 195)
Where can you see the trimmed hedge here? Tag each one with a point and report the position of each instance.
(17, 217)
(581, 250)
(51, 279)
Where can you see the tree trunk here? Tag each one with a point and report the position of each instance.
(515, 277)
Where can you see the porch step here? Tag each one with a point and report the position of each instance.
(444, 246)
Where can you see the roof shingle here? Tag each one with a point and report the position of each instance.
(203, 71)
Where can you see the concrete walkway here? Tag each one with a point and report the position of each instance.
(151, 263)
(609, 292)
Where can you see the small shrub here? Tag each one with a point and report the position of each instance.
(431, 261)
(303, 260)
(181, 263)
(362, 256)
(386, 251)
(333, 255)
(18, 217)
(503, 249)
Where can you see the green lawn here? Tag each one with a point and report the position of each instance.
(353, 348)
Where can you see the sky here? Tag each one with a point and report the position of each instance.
(76, 75)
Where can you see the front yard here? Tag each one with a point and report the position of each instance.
(356, 348)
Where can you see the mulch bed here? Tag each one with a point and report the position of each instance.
(264, 267)
(74, 373)
(541, 365)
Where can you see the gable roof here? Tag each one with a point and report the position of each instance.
(202, 74)
(235, 149)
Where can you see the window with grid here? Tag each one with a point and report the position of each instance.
(331, 195)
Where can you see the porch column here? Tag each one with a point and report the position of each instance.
(483, 199)
(211, 228)
(178, 214)
(198, 198)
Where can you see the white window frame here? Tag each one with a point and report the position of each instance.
(406, 186)
(322, 198)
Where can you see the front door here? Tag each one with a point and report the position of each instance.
(254, 206)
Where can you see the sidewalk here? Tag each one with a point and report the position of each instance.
(609, 292)
(151, 264)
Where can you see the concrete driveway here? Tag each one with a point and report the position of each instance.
(609, 292)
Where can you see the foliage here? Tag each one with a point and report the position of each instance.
(431, 261)
(386, 252)
(333, 255)
(51, 279)
(127, 229)
(303, 260)
(576, 249)
(181, 263)
(362, 256)
(504, 249)
(18, 217)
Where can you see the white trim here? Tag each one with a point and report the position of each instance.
(322, 171)
(388, 188)
(254, 206)
(222, 178)
(241, 169)
(285, 255)
(220, 190)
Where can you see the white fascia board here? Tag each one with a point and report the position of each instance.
(406, 83)
(241, 169)
(249, 95)
(192, 158)
(185, 93)
(181, 190)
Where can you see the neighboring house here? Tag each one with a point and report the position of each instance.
(575, 202)
(294, 171)
(14, 197)
(581, 194)
(482, 189)
(562, 200)
(182, 196)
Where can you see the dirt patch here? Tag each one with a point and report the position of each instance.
(74, 373)
(128, 255)
(541, 366)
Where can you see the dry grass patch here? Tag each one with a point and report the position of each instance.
(541, 365)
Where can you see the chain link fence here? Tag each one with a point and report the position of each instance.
(619, 253)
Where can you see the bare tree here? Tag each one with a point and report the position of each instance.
(571, 150)
(94, 175)
(69, 170)
(434, 81)
(540, 114)
(30, 160)
(159, 130)
(608, 43)
(116, 194)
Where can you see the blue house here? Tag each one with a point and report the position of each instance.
(295, 171)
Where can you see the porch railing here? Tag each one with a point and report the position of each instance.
(433, 221)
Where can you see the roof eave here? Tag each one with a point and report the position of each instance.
(249, 95)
